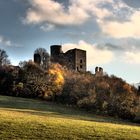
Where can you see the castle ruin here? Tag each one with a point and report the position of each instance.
(74, 59)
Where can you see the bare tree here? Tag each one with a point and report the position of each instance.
(22, 64)
(4, 58)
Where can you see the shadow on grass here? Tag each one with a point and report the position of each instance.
(43, 108)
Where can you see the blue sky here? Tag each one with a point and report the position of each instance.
(108, 29)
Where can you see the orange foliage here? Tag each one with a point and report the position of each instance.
(57, 73)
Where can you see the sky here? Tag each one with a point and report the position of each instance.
(109, 30)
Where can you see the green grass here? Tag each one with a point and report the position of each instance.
(34, 119)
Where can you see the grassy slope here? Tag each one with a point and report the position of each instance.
(32, 119)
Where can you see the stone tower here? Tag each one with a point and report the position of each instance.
(37, 59)
(56, 50)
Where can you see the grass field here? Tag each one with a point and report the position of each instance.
(33, 119)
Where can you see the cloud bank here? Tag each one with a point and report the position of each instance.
(7, 43)
(122, 30)
(132, 57)
(53, 12)
(118, 19)
(94, 55)
(99, 55)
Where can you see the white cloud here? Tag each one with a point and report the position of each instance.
(47, 27)
(52, 12)
(7, 42)
(94, 55)
(112, 21)
(132, 57)
(122, 30)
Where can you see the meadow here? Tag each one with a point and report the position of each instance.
(22, 118)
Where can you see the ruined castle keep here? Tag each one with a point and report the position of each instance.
(74, 59)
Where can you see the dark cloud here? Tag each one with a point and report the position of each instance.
(110, 46)
(127, 44)
(133, 3)
(133, 42)
(113, 47)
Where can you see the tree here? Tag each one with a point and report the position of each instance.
(45, 58)
(6, 80)
(22, 64)
(4, 58)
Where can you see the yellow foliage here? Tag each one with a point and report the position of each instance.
(56, 72)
